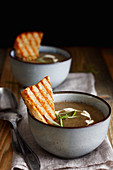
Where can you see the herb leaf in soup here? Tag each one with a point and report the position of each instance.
(66, 115)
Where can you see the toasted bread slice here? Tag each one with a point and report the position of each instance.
(27, 45)
(38, 98)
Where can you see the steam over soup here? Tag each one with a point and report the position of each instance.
(72, 114)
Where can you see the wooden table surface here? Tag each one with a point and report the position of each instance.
(99, 61)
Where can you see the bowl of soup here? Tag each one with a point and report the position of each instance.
(52, 61)
(82, 124)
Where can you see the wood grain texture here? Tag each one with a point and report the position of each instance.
(107, 53)
(5, 146)
(7, 80)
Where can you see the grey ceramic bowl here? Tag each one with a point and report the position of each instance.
(72, 142)
(28, 74)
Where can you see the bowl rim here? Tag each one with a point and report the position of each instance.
(65, 59)
(76, 92)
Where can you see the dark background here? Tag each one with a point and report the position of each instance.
(65, 29)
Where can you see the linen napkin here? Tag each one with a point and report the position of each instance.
(100, 158)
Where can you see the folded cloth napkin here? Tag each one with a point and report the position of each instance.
(100, 158)
(83, 82)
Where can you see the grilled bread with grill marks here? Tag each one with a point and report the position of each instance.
(38, 98)
(27, 45)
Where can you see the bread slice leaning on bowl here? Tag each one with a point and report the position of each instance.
(39, 100)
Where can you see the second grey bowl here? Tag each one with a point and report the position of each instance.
(28, 74)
